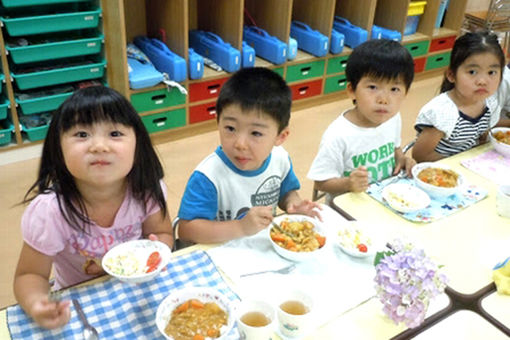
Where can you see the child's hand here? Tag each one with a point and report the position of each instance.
(406, 163)
(305, 207)
(256, 219)
(50, 314)
(92, 267)
(358, 180)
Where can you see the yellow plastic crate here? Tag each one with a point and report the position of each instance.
(416, 8)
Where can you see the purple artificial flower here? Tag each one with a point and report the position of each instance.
(406, 281)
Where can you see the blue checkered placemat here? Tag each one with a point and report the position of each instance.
(438, 208)
(120, 310)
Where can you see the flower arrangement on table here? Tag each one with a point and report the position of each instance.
(406, 281)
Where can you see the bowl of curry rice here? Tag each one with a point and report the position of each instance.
(195, 313)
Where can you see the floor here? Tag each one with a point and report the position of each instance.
(179, 159)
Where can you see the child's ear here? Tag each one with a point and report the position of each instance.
(282, 136)
(350, 93)
(450, 75)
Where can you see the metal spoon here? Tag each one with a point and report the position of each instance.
(89, 332)
(284, 270)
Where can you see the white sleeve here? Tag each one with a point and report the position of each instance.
(398, 135)
(440, 113)
(329, 161)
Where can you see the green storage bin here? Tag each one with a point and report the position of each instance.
(157, 99)
(335, 83)
(18, 26)
(2, 78)
(20, 3)
(55, 50)
(418, 48)
(57, 76)
(305, 71)
(438, 60)
(3, 108)
(337, 64)
(42, 104)
(164, 120)
(6, 130)
(279, 70)
(35, 133)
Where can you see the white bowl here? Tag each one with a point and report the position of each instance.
(134, 254)
(502, 148)
(203, 294)
(294, 255)
(348, 243)
(432, 190)
(405, 198)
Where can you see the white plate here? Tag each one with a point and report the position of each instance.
(405, 198)
(347, 241)
(135, 252)
(203, 294)
(294, 255)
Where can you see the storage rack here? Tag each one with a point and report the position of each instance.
(48, 48)
(169, 115)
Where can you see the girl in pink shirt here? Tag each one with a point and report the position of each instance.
(99, 184)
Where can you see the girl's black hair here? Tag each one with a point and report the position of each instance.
(469, 44)
(381, 59)
(88, 106)
(257, 88)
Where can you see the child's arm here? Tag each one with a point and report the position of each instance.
(31, 288)
(402, 162)
(293, 204)
(160, 226)
(423, 150)
(207, 231)
(356, 182)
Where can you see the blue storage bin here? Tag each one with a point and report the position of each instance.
(309, 40)
(385, 33)
(337, 42)
(442, 9)
(411, 24)
(353, 34)
(195, 64)
(292, 47)
(247, 56)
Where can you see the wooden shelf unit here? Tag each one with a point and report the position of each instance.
(312, 80)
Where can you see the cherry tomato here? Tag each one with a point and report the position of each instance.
(154, 259)
(151, 269)
(362, 248)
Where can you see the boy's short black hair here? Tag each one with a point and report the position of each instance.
(381, 59)
(257, 88)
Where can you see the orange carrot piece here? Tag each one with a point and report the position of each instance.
(278, 237)
(213, 333)
(182, 308)
(198, 337)
(290, 244)
(320, 239)
(196, 304)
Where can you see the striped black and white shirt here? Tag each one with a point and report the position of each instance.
(461, 131)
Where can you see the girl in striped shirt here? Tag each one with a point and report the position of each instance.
(458, 118)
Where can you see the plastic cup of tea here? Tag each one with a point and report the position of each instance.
(503, 200)
(255, 320)
(295, 314)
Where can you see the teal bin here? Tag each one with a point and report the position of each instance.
(18, 26)
(6, 129)
(63, 75)
(3, 108)
(55, 50)
(20, 3)
(35, 133)
(2, 78)
(42, 104)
